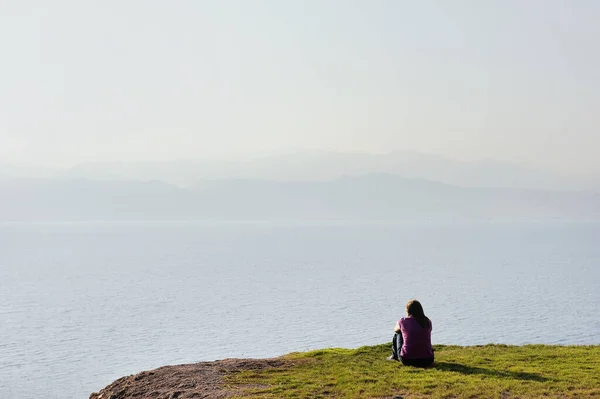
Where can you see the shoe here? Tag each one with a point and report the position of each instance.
(391, 357)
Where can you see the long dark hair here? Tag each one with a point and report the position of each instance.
(415, 310)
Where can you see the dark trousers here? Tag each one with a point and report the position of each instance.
(397, 343)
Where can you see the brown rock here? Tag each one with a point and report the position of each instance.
(199, 380)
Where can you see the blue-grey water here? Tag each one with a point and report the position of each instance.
(84, 304)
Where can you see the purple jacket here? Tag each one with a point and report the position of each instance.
(417, 340)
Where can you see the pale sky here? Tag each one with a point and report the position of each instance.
(515, 80)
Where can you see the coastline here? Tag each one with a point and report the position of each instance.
(487, 371)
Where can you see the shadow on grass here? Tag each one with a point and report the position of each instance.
(459, 368)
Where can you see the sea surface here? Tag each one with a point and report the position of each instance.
(82, 304)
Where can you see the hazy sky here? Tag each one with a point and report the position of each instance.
(147, 79)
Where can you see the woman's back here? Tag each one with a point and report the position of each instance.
(412, 339)
(416, 339)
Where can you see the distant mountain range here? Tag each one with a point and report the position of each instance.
(325, 166)
(368, 197)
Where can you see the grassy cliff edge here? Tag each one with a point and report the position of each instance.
(488, 371)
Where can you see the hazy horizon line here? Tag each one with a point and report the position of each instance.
(255, 156)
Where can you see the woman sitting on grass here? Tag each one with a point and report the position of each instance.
(412, 338)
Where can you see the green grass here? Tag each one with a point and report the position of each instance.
(490, 371)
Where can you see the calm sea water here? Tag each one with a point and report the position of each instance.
(84, 304)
